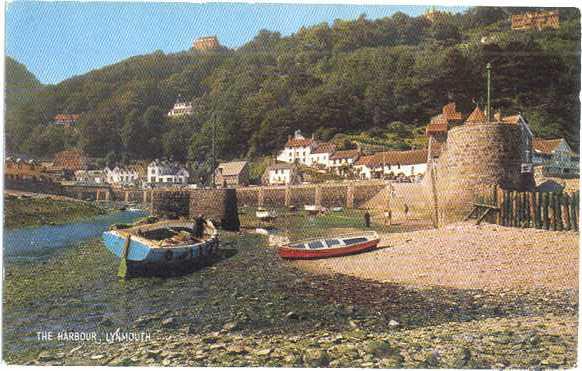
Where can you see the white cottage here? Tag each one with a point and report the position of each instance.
(321, 154)
(392, 163)
(281, 174)
(166, 173)
(181, 108)
(297, 149)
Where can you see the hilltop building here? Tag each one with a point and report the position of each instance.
(232, 174)
(297, 149)
(206, 43)
(536, 20)
(166, 173)
(181, 108)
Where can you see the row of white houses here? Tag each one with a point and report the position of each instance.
(309, 152)
(157, 173)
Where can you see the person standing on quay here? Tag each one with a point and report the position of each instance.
(367, 219)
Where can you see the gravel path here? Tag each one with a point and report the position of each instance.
(467, 256)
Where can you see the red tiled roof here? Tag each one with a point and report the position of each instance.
(412, 157)
(450, 112)
(477, 116)
(438, 124)
(70, 159)
(351, 153)
(510, 119)
(366, 160)
(298, 142)
(66, 117)
(546, 146)
(325, 148)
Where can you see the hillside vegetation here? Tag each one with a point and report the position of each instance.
(379, 81)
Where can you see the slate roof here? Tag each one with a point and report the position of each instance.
(546, 146)
(412, 157)
(232, 168)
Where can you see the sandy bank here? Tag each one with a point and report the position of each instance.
(464, 255)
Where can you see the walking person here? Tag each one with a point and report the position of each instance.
(406, 211)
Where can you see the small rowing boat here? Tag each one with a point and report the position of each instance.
(330, 247)
(266, 215)
(165, 247)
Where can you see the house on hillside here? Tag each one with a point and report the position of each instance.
(282, 174)
(341, 161)
(556, 158)
(66, 120)
(393, 164)
(321, 154)
(297, 149)
(232, 174)
(166, 173)
(181, 108)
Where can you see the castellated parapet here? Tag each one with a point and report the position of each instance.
(478, 155)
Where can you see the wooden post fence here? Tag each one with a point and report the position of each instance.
(556, 211)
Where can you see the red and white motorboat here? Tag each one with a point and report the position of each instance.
(330, 247)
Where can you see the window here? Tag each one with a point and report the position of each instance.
(331, 243)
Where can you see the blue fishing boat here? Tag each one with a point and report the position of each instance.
(162, 248)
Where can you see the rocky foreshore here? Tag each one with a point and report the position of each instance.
(252, 309)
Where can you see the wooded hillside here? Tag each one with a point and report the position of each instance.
(380, 79)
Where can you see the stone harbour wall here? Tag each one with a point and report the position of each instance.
(219, 205)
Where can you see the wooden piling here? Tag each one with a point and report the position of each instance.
(558, 204)
(545, 216)
(575, 211)
(566, 212)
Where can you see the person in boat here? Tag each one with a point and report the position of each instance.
(199, 226)
(367, 219)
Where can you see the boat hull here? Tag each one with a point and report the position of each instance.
(145, 260)
(292, 253)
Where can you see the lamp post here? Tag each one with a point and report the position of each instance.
(488, 92)
(213, 163)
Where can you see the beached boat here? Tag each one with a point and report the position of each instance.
(312, 209)
(163, 247)
(264, 214)
(330, 247)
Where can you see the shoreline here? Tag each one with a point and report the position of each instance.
(23, 210)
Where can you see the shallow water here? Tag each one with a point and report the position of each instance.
(38, 243)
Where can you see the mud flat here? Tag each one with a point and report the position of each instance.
(252, 309)
(36, 210)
